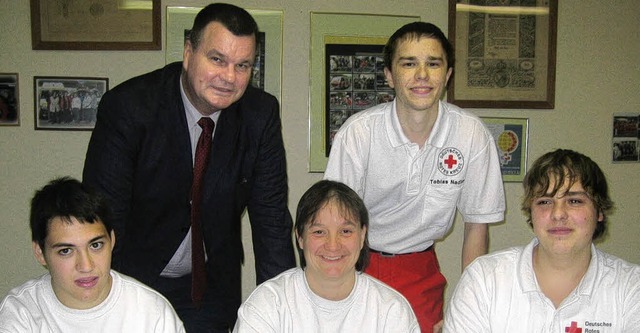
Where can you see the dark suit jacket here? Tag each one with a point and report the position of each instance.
(139, 156)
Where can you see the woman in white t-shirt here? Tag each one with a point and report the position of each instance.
(330, 292)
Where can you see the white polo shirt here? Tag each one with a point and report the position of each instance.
(499, 293)
(412, 193)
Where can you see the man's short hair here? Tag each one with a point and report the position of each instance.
(416, 30)
(351, 205)
(564, 165)
(66, 198)
(235, 19)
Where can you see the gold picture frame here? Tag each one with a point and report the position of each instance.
(505, 54)
(95, 25)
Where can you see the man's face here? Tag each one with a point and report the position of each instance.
(565, 222)
(78, 256)
(419, 74)
(218, 72)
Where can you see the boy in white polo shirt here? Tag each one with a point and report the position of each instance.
(560, 282)
(415, 162)
(73, 238)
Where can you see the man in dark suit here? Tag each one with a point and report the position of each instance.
(141, 157)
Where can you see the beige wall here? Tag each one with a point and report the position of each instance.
(597, 75)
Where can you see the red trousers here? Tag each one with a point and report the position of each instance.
(416, 276)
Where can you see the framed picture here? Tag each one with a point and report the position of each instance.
(267, 68)
(95, 25)
(9, 105)
(67, 103)
(505, 54)
(354, 80)
(511, 137)
(626, 138)
(352, 45)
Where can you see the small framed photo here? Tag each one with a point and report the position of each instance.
(626, 138)
(9, 106)
(67, 103)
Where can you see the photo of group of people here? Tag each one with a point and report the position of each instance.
(355, 81)
(626, 138)
(67, 103)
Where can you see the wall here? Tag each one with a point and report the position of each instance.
(597, 75)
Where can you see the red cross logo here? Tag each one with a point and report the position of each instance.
(573, 328)
(450, 161)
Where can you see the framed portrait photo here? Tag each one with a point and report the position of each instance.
(67, 103)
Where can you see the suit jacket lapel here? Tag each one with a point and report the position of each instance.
(176, 122)
(225, 145)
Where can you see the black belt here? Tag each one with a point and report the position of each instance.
(387, 254)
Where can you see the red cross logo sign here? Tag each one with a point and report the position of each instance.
(450, 161)
(573, 328)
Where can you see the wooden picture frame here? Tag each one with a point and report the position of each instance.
(67, 103)
(512, 137)
(505, 55)
(96, 25)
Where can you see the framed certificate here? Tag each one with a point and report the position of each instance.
(505, 53)
(95, 25)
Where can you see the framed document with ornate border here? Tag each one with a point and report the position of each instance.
(505, 53)
(95, 25)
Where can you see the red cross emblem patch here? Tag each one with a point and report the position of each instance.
(450, 161)
(574, 328)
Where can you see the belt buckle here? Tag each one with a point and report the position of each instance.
(387, 254)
